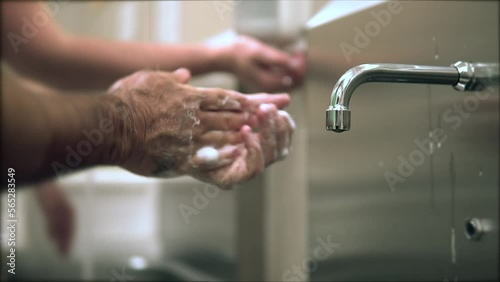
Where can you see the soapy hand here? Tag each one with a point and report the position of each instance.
(174, 129)
(270, 142)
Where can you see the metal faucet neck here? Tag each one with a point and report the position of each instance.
(461, 75)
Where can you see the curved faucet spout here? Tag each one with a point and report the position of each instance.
(461, 75)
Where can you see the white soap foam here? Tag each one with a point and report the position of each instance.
(266, 107)
(284, 152)
(290, 119)
(208, 154)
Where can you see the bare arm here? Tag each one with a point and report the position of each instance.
(37, 130)
(72, 62)
(67, 61)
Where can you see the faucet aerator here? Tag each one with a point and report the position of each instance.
(338, 120)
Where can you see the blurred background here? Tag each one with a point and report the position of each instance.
(326, 213)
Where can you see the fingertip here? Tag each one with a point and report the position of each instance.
(245, 130)
(281, 100)
(183, 75)
(285, 97)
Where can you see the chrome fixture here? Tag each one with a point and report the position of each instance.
(462, 76)
(473, 229)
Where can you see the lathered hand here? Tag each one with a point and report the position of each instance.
(173, 129)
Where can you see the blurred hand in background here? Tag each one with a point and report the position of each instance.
(261, 67)
(59, 214)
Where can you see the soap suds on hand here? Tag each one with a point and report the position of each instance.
(284, 153)
(208, 154)
(287, 116)
(266, 107)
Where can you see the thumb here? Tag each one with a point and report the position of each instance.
(182, 75)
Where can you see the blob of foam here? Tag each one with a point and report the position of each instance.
(288, 117)
(284, 153)
(208, 154)
(266, 107)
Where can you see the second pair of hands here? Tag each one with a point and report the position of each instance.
(219, 136)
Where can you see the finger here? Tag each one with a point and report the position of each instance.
(268, 133)
(221, 100)
(254, 159)
(285, 129)
(115, 86)
(182, 75)
(222, 120)
(273, 58)
(220, 138)
(280, 100)
(298, 66)
(269, 81)
(245, 166)
(211, 158)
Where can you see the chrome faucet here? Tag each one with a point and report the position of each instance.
(462, 76)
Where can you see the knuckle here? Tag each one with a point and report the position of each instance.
(228, 120)
(273, 109)
(218, 91)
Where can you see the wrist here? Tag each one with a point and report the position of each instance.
(224, 58)
(88, 130)
(116, 125)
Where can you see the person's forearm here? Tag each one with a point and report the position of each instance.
(45, 136)
(72, 62)
(96, 63)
